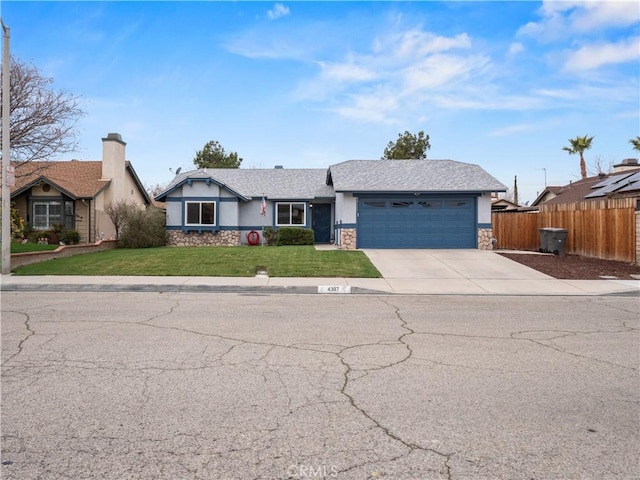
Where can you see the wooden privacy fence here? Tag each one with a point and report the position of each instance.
(598, 228)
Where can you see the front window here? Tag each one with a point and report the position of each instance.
(69, 217)
(290, 214)
(200, 213)
(46, 214)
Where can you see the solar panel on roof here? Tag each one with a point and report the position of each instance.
(620, 184)
(611, 179)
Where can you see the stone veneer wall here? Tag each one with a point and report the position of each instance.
(348, 239)
(484, 239)
(226, 238)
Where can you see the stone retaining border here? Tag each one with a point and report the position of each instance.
(27, 258)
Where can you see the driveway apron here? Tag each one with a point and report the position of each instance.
(464, 271)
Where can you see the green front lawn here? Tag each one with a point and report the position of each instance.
(289, 261)
(17, 247)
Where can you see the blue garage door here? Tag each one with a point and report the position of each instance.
(417, 222)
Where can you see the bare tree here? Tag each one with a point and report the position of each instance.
(42, 120)
(119, 213)
(599, 165)
(156, 189)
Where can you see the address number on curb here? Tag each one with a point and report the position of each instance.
(335, 289)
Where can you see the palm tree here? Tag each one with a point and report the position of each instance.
(579, 145)
(635, 142)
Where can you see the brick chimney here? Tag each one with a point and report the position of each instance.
(113, 165)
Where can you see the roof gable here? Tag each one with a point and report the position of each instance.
(81, 179)
(75, 178)
(277, 183)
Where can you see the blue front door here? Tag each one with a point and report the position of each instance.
(417, 222)
(321, 222)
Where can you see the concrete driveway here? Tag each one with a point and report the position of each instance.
(457, 271)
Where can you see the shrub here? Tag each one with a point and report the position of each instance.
(19, 228)
(295, 236)
(70, 237)
(143, 229)
(118, 213)
(270, 235)
(57, 228)
(37, 236)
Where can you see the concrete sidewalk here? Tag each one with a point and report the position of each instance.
(408, 271)
(435, 286)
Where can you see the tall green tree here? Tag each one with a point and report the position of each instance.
(579, 145)
(213, 155)
(635, 142)
(408, 147)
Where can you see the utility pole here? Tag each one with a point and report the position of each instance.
(6, 151)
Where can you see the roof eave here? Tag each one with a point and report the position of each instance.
(423, 192)
(163, 195)
(138, 183)
(41, 179)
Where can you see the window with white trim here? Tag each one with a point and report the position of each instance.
(200, 213)
(46, 213)
(288, 214)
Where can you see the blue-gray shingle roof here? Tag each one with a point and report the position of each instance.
(274, 183)
(411, 175)
(350, 176)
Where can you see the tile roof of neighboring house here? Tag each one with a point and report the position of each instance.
(411, 175)
(80, 179)
(77, 178)
(595, 188)
(277, 183)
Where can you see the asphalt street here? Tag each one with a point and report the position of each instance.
(148, 385)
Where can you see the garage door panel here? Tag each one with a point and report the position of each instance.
(417, 223)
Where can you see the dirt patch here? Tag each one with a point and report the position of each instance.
(575, 267)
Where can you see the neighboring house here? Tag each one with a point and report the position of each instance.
(547, 194)
(354, 204)
(624, 181)
(502, 204)
(74, 193)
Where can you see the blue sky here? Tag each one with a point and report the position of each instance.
(308, 84)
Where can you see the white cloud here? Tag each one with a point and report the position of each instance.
(561, 19)
(594, 56)
(437, 71)
(347, 72)
(512, 129)
(515, 48)
(278, 11)
(418, 43)
(378, 107)
(401, 70)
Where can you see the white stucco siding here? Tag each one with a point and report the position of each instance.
(132, 193)
(484, 209)
(346, 208)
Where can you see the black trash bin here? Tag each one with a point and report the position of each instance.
(544, 240)
(553, 240)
